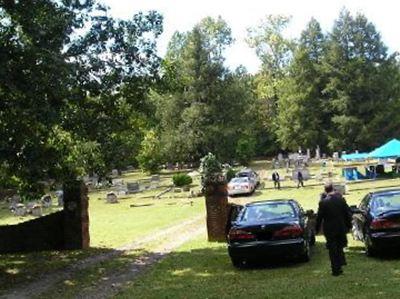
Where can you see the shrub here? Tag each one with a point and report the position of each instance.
(211, 170)
(181, 179)
(230, 174)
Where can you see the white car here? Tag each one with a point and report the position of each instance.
(251, 174)
(241, 185)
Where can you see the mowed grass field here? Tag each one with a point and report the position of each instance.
(200, 269)
(203, 270)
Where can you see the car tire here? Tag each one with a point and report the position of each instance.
(305, 257)
(237, 262)
(369, 249)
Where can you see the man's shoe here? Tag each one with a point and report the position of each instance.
(337, 273)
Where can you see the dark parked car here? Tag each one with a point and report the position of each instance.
(376, 221)
(271, 229)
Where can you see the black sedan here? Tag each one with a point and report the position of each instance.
(376, 221)
(271, 229)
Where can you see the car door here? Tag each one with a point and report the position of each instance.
(359, 219)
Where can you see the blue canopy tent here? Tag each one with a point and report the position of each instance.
(388, 150)
(355, 156)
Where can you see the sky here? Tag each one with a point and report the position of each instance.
(181, 15)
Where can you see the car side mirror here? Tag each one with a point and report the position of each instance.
(355, 210)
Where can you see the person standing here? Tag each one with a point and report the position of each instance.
(335, 218)
(300, 179)
(276, 179)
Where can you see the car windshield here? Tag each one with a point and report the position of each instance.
(386, 202)
(240, 180)
(268, 212)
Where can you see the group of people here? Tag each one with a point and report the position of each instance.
(277, 181)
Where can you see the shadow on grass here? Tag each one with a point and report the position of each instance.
(208, 273)
(22, 268)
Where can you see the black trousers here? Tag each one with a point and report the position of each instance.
(277, 184)
(335, 245)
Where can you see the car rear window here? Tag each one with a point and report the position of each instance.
(240, 180)
(270, 211)
(385, 202)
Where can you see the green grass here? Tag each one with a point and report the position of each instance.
(22, 268)
(203, 270)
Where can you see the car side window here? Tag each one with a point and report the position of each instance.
(364, 203)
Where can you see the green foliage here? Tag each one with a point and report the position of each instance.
(181, 179)
(149, 157)
(230, 174)
(211, 170)
(79, 109)
(245, 149)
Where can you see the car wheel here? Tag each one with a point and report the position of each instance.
(369, 249)
(237, 262)
(305, 257)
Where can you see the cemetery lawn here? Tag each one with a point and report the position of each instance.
(203, 270)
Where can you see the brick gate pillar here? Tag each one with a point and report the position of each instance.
(217, 207)
(76, 215)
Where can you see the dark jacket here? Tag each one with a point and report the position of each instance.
(334, 215)
(275, 176)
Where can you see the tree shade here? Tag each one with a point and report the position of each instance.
(390, 149)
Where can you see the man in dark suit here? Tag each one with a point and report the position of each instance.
(335, 217)
(276, 179)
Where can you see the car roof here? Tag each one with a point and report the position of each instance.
(268, 201)
(385, 192)
(246, 170)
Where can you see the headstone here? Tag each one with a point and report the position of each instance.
(60, 197)
(20, 210)
(114, 173)
(112, 197)
(308, 153)
(46, 201)
(14, 200)
(133, 187)
(37, 210)
(317, 153)
(154, 181)
(335, 156)
(280, 157)
(117, 182)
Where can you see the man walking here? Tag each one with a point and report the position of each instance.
(300, 179)
(276, 179)
(335, 217)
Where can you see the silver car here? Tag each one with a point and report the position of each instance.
(241, 185)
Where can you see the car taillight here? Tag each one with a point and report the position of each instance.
(239, 234)
(383, 224)
(291, 231)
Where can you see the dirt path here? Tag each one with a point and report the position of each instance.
(170, 238)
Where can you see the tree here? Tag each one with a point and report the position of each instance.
(201, 106)
(64, 87)
(275, 53)
(149, 157)
(362, 83)
(301, 117)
